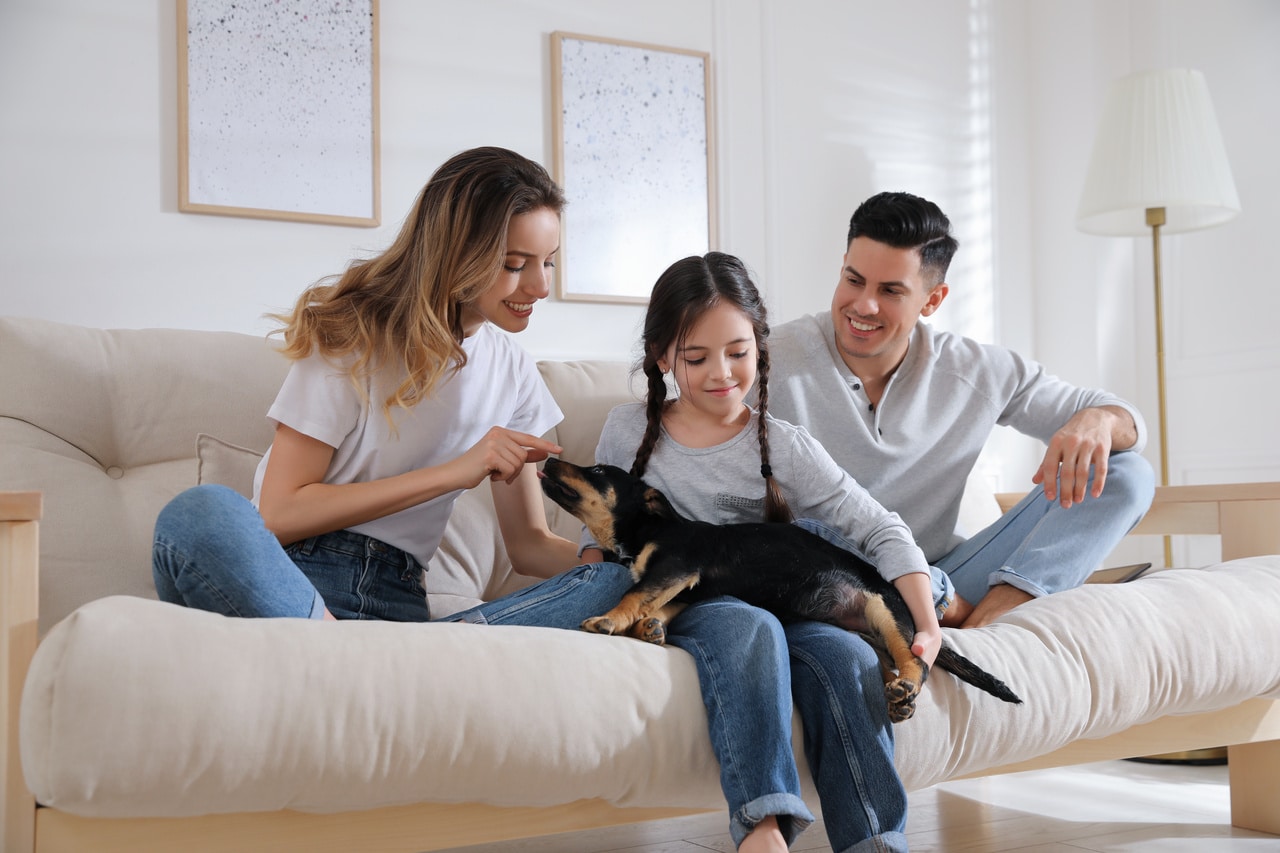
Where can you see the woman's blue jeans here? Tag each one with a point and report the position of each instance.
(213, 552)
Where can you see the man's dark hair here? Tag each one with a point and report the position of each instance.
(907, 221)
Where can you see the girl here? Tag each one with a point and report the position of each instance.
(402, 393)
(720, 461)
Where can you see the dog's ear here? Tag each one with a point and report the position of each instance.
(656, 503)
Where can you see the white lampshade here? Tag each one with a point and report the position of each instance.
(1158, 145)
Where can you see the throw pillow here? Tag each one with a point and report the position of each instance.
(226, 464)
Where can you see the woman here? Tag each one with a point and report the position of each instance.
(403, 392)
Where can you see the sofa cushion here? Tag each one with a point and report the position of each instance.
(138, 708)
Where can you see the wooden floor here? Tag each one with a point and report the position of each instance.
(1112, 807)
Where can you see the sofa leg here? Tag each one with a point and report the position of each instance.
(1255, 777)
(19, 615)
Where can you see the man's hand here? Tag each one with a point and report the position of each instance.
(1084, 442)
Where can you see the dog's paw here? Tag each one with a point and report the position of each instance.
(901, 694)
(651, 630)
(599, 625)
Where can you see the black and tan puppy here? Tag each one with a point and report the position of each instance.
(779, 567)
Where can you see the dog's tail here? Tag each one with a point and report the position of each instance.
(966, 670)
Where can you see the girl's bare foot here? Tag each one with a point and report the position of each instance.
(764, 838)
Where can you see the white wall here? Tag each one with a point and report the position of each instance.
(988, 107)
(89, 222)
(1092, 315)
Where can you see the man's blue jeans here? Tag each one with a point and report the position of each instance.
(1041, 548)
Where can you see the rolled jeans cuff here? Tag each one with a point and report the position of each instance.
(885, 842)
(1008, 576)
(793, 816)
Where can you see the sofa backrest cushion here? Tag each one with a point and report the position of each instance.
(106, 423)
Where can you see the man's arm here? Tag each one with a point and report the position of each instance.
(1085, 440)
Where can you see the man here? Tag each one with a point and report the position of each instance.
(906, 410)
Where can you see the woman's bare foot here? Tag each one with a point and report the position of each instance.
(764, 838)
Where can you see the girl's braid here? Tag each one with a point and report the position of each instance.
(655, 401)
(775, 505)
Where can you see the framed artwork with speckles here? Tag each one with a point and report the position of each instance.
(635, 154)
(278, 110)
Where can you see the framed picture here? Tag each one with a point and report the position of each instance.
(634, 152)
(278, 110)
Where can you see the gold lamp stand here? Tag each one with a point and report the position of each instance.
(1155, 219)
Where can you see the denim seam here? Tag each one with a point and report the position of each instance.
(714, 674)
(846, 742)
(176, 558)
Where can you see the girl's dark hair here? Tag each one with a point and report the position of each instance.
(683, 293)
(906, 221)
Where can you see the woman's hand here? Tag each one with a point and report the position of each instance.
(296, 502)
(501, 455)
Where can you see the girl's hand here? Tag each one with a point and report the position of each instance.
(926, 645)
(501, 455)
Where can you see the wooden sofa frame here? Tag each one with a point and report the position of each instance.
(1246, 516)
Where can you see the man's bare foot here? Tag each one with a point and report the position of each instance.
(999, 600)
(955, 614)
(766, 837)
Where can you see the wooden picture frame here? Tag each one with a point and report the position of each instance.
(278, 110)
(634, 150)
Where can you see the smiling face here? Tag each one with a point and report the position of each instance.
(881, 294)
(714, 366)
(533, 239)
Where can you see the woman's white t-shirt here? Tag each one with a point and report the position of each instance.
(499, 386)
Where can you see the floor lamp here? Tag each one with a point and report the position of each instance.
(1158, 164)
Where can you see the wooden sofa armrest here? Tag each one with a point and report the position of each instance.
(19, 614)
(1245, 515)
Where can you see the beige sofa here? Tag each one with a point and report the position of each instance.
(141, 725)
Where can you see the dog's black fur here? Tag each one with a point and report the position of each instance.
(780, 567)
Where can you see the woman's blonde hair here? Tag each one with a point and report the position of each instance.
(404, 306)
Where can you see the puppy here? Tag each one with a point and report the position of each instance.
(780, 567)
